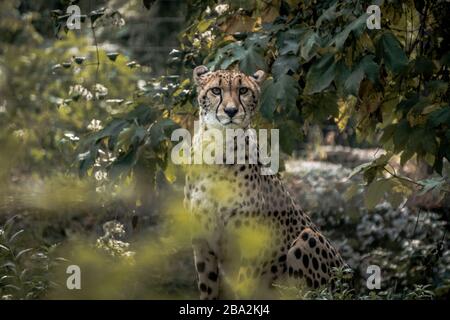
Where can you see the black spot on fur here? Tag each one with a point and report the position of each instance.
(212, 276)
(312, 242)
(200, 266)
(305, 261)
(315, 263)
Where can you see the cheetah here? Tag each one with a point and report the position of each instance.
(250, 231)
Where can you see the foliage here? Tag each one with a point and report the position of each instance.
(25, 272)
(409, 244)
(72, 99)
(324, 64)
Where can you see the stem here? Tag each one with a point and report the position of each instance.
(423, 19)
(406, 179)
(96, 50)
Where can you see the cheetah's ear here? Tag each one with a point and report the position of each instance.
(259, 76)
(199, 72)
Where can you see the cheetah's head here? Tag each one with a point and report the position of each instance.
(227, 99)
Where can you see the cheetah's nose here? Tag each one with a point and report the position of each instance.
(231, 112)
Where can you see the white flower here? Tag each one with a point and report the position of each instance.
(208, 36)
(221, 9)
(20, 133)
(95, 125)
(100, 91)
(196, 42)
(141, 84)
(79, 90)
(129, 254)
(71, 136)
(100, 175)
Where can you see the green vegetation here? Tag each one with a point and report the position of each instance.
(86, 117)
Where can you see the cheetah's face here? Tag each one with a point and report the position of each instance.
(227, 99)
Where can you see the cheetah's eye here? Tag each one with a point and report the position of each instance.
(216, 90)
(243, 90)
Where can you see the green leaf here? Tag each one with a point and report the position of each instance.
(289, 41)
(388, 133)
(360, 168)
(122, 164)
(283, 92)
(401, 135)
(2, 279)
(441, 116)
(11, 286)
(132, 136)
(351, 191)
(375, 192)
(352, 83)
(365, 68)
(94, 15)
(371, 69)
(356, 26)
(252, 59)
(268, 99)
(15, 235)
(321, 74)
(87, 159)
(395, 198)
(284, 64)
(405, 156)
(328, 15)
(160, 130)
(204, 25)
(22, 252)
(321, 107)
(430, 184)
(342, 73)
(290, 134)
(309, 44)
(249, 54)
(112, 55)
(424, 66)
(390, 50)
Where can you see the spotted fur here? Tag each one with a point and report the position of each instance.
(227, 199)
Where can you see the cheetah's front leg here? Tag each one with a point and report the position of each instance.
(207, 270)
